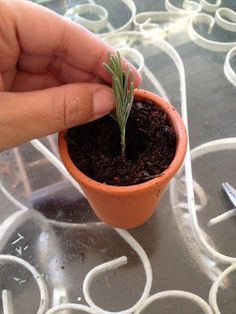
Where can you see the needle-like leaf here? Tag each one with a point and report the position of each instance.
(123, 87)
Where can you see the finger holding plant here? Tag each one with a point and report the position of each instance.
(123, 87)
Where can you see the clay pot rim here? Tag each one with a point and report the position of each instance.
(181, 147)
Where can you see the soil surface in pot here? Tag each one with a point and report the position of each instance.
(150, 147)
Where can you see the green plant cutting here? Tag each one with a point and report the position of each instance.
(123, 87)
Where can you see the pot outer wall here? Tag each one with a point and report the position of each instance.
(129, 206)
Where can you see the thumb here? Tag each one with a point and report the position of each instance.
(25, 116)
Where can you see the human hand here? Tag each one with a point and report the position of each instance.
(48, 73)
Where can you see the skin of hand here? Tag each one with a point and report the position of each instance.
(49, 68)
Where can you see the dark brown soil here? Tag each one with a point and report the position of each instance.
(150, 147)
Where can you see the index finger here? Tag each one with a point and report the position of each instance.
(42, 32)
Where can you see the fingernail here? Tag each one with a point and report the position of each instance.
(103, 101)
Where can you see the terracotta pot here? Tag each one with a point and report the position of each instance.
(129, 206)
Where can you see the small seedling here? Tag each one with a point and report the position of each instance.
(123, 87)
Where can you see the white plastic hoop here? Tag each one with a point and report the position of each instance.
(7, 302)
(228, 70)
(39, 280)
(220, 18)
(149, 17)
(148, 21)
(215, 288)
(176, 294)
(75, 13)
(10, 225)
(201, 40)
(188, 6)
(210, 7)
(70, 306)
(130, 5)
(213, 146)
(115, 264)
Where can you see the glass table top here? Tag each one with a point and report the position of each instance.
(57, 257)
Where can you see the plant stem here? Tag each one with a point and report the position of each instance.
(123, 145)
